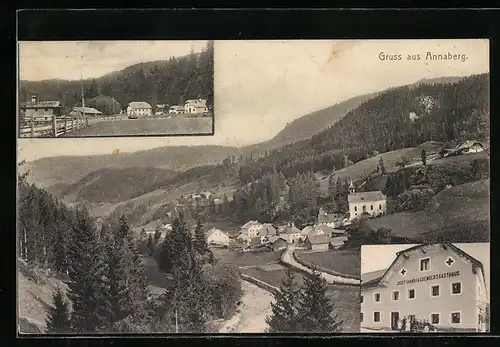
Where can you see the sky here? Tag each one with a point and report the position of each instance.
(385, 255)
(40, 60)
(260, 86)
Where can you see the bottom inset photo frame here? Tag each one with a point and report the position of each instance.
(436, 287)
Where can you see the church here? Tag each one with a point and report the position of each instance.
(438, 283)
(369, 203)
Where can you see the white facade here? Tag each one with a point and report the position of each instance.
(373, 203)
(195, 106)
(216, 236)
(139, 109)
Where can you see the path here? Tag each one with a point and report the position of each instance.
(287, 258)
(251, 316)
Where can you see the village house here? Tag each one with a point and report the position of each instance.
(317, 242)
(266, 231)
(277, 243)
(439, 283)
(161, 109)
(197, 106)
(290, 233)
(371, 203)
(328, 219)
(217, 237)
(138, 109)
(40, 108)
(249, 230)
(469, 147)
(337, 242)
(87, 111)
(176, 109)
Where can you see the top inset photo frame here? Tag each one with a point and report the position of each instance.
(115, 88)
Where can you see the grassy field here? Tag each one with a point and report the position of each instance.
(364, 167)
(155, 126)
(343, 261)
(345, 298)
(463, 208)
(246, 258)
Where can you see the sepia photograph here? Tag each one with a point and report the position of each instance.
(321, 147)
(437, 287)
(115, 88)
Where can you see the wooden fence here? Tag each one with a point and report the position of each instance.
(55, 126)
(50, 126)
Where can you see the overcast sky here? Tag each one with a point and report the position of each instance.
(260, 86)
(380, 257)
(41, 60)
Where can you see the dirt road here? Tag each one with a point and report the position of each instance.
(251, 316)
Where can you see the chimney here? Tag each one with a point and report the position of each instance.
(33, 98)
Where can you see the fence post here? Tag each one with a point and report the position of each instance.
(86, 121)
(54, 125)
(32, 123)
(65, 126)
(72, 123)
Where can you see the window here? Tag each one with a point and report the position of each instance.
(376, 316)
(434, 290)
(361, 318)
(47, 109)
(456, 288)
(379, 206)
(377, 297)
(371, 207)
(435, 318)
(425, 264)
(395, 295)
(455, 318)
(362, 298)
(355, 208)
(411, 293)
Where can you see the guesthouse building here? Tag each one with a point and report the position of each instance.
(138, 109)
(197, 106)
(438, 283)
(40, 108)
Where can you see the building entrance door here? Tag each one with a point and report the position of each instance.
(394, 320)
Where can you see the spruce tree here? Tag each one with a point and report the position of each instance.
(315, 308)
(58, 320)
(284, 316)
(338, 185)
(200, 242)
(151, 245)
(60, 248)
(332, 187)
(87, 290)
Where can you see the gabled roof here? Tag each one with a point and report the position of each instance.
(87, 110)
(376, 280)
(213, 231)
(307, 230)
(196, 102)
(288, 229)
(326, 218)
(325, 228)
(374, 276)
(468, 144)
(267, 230)
(338, 241)
(366, 196)
(273, 239)
(317, 239)
(139, 104)
(41, 104)
(249, 224)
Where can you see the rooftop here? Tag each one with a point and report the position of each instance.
(139, 104)
(87, 110)
(41, 104)
(366, 196)
(317, 239)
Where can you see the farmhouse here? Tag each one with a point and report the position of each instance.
(249, 230)
(176, 109)
(138, 109)
(290, 233)
(438, 283)
(161, 109)
(317, 242)
(40, 108)
(337, 242)
(373, 203)
(88, 111)
(325, 218)
(277, 243)
(266, 231)
(197, 106)
(217, 237)
(470, 147)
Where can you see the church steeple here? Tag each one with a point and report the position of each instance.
(352, 188)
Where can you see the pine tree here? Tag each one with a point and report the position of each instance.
(338, 184)
(87, 289)
(58, 320)
(60, 248)
(200, 242)
(423, 156)
(315, 308)
(284, 316)
(332, 187)
(151, 245)
(381, 166)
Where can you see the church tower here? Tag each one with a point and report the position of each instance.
(352, 189)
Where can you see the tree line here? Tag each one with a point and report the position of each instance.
(170, 82)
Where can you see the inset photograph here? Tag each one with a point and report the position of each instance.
(438, 287)
(115, 88)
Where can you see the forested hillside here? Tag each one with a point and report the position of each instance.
(399, 118)
(166, 82)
